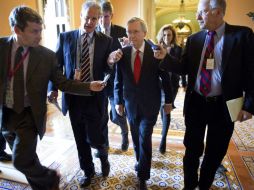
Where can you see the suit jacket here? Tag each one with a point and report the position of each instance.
(67, 53)
(42, 67)
(116, 32)
(146, 95)
(175, 51)
(237, 64)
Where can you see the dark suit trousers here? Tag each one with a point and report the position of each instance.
(214, 116)
(86, 120)
(20, 132)
(141, 131)
(2, 143)
(115, 118)
(166, 118)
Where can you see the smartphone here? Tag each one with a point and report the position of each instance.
(106, 78)
(154, 46)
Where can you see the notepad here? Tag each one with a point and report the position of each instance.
(234, 107)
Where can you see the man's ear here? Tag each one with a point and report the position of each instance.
(17, 30)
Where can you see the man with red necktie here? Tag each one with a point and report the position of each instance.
(137, 85)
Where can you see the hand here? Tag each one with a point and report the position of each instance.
(167, 108)
(125, 42)
(243, 116)
(119, 109)
(97, 86)
(161, 53)
(115, 56)
(52, 96)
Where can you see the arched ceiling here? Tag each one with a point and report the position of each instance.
(168, 10)
(165, 6)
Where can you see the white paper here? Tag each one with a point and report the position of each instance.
(234, 107)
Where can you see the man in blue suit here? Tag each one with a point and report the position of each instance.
(221, 56)
(86, 113)
(138, 86)
(115, 31)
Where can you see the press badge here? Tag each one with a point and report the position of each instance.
(77, 74)
(210, 64)
(9, 95)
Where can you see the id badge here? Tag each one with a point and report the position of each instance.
(210, 64)
(9, 96)
(77, 74)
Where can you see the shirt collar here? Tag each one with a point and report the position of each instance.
(104, 29)
(82, 32)
(141, 49)
(220, 30)
(15, 44)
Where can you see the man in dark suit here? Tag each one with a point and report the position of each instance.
(219, 62)
(86, 113)
(137, 86)
(116, 32)
(25, 70)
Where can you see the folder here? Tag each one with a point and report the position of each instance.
(234, 107)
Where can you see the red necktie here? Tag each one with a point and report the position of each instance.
(205, 74)
(137, 67)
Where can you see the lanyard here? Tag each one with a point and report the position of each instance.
(12, 72)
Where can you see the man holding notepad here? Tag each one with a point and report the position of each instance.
(219, 62)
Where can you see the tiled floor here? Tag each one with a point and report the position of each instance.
(243, 161)
(240, 150)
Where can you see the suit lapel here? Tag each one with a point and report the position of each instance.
(34, 59)
(73, 48)
(127, 63)
(146, 60)
(198, 46)
(228, 44)
(96, 49)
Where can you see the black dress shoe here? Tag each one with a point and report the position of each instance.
(105, 168)
(86, 180)
(4, 157)
(222, 169)
(142, 184)
(56, 179)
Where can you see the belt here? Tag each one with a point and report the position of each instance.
(209, 98)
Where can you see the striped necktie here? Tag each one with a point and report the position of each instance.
(85, 61)
(205, 74)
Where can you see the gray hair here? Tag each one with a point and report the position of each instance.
(88, 4)
(20, 15)
(218, 4)
(142, 23)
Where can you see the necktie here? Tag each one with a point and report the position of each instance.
(205, 74)
(85, 61)
(18, 83)
(137, 67)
